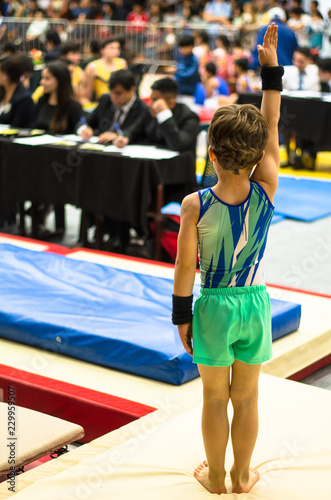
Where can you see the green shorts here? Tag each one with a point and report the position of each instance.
(232, 323)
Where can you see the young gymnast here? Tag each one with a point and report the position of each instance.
(231, 321)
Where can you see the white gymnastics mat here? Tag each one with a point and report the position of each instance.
(293, 456)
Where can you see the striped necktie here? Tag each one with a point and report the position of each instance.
(301, 76)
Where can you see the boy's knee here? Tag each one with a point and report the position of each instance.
(243, 395)
(217, 397)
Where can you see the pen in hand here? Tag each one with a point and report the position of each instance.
(118, 129)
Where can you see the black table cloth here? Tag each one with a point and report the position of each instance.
(102, 183)
(308, 118)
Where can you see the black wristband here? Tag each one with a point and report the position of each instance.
(271, 77)
(181, 309)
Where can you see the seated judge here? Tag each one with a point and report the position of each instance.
(16, 105)
(120, 115)
(171, 124)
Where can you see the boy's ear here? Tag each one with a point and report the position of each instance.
(263, 155)
(211, 154)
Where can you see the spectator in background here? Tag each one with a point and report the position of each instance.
(28, 70)
(155, 13)
(37, 29)
(137, 21)
(120, 12)
(92, 51)
(287, 43)
(16, 105)
(71, 52)
(98, 72)
(314, 9)
(326, 43)
(275, 11)
(83, 7)
(261, 16)
(108, 11)
(52, 46)
(217, 12)
(210, 87)
(201, 47)
(187, 70)
(57, 112)
(315, 31)
(324, 74)
(9, 49)
(244, 83)
(222, 57)
(299, 22)
(189, 15)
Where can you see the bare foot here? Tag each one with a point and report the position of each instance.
(201, 473)
(241, 487)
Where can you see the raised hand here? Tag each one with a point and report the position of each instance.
(268, 50)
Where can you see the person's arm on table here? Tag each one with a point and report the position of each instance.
(185, 268)
(266, 172)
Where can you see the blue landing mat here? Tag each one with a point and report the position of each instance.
(106, 316)
(303, 199)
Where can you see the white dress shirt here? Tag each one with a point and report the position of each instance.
(310, 80)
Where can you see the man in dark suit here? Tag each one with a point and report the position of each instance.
(171, 125)
(324, 73)
(120, 115)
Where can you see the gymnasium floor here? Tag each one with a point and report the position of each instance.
(292, 260)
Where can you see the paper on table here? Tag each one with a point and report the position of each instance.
(304, 94)
(92, 147)
(148, 152)
(78, 138)
(38, 140)
(113, 149)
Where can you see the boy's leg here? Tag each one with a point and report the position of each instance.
(215, 426)
(245, 423)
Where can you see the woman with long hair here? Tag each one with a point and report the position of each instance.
(16, 105)
(58, 113)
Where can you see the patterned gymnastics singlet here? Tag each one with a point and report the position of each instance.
(232, 239)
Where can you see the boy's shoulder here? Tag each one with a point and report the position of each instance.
(191, 206)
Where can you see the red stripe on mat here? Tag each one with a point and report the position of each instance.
(97, 412)
(299, 290)
(51, 247)
(121, 256)
(309, 370)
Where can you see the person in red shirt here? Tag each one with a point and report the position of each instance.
(137, 21)
(137, 18)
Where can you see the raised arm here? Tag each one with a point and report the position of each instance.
(266, 172)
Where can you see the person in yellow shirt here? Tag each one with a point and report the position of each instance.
(98, 72)
(70, 55)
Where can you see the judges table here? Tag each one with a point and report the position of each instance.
(309, 118)
(120, 187)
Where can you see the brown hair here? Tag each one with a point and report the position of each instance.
(238, 135)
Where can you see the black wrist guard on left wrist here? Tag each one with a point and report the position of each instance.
(271, 77)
